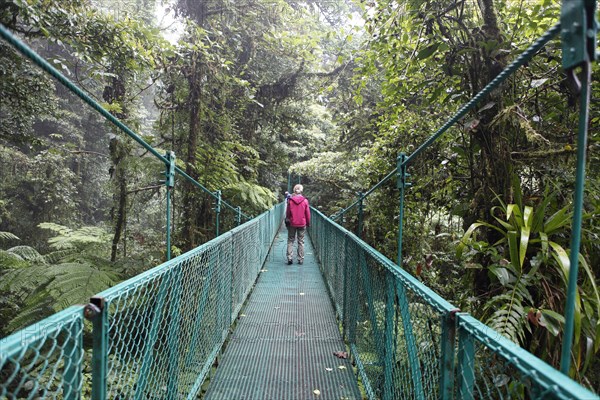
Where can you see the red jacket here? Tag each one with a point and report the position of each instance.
(298, 211)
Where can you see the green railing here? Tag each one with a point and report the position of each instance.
(578, 31)
(408, 342)
(44, 360)
(153, 336)
(168, 159)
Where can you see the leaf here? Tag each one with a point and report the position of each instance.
(340, 354)
(557, 220)
(538, 82)
(427, 51)
(525, 232)
(487, 106)
(514, 251)
(591, 279)
(468, 233)
(8, 236)
(503, 275)
(317, 392)
(562, 258)
(552, 321)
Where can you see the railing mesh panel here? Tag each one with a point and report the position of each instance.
(402, 335)
(392, 324)
(492, 367)
(44, 360)
(167, 326)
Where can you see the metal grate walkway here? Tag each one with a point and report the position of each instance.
(283, 345)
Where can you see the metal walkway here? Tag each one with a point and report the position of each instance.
(283, 345)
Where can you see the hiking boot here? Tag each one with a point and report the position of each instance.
(289, 262)
(300, 262)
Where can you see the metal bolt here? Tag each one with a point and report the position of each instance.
(90, 311)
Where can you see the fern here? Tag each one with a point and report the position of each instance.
(27, 253)
(56, 256)
(509, 309)
(8, 236)
(70, 239)
(51, 288)
(10, 260)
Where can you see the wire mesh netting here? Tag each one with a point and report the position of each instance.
(393, 325)
(492, 367)
(159, 332)
(402, 339)
(43, 361)
(166, 327)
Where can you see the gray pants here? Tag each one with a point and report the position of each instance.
(292, 232)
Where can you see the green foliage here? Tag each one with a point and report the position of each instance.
(44, 289)
(515, 261)
(67, 238)
(26, 253)
(8, 236)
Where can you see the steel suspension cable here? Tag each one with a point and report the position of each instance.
(524, 57)
(28, 52)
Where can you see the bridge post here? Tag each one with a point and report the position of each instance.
(169, 184)
(73, 366)
(466, 364)
(359, 228)
(238, 218)
(448, 322)
(96, 312)
(578, 37)
(217, 211)
(401, 184)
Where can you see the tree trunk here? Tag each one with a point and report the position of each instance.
(494, 164)
(190, 215)
(115, 93)
(120, 177)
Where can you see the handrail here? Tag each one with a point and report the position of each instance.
(506, 72)
(28, 52)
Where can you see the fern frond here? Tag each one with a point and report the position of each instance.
(27, 253)
(509, 322)
(56, 256)
(51, 288)
(8, 236)
(11, 261)
(24, 281)
(59, 229)
(69, 239)
(31, 314)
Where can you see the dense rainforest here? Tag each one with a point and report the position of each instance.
(249, 94)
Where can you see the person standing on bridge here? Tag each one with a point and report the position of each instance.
(298, 215)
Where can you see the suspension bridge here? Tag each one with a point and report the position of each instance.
(230, 320)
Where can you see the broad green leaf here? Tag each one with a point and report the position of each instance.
(591, 279)
(469, 232)
(503, 275)
(553, 321)
(506, 225)
(544, 240)
(525, 232)
(557, 220)
(562, 259)
(514, 251)
(427, 51)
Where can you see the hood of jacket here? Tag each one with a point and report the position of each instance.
(297, 199)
